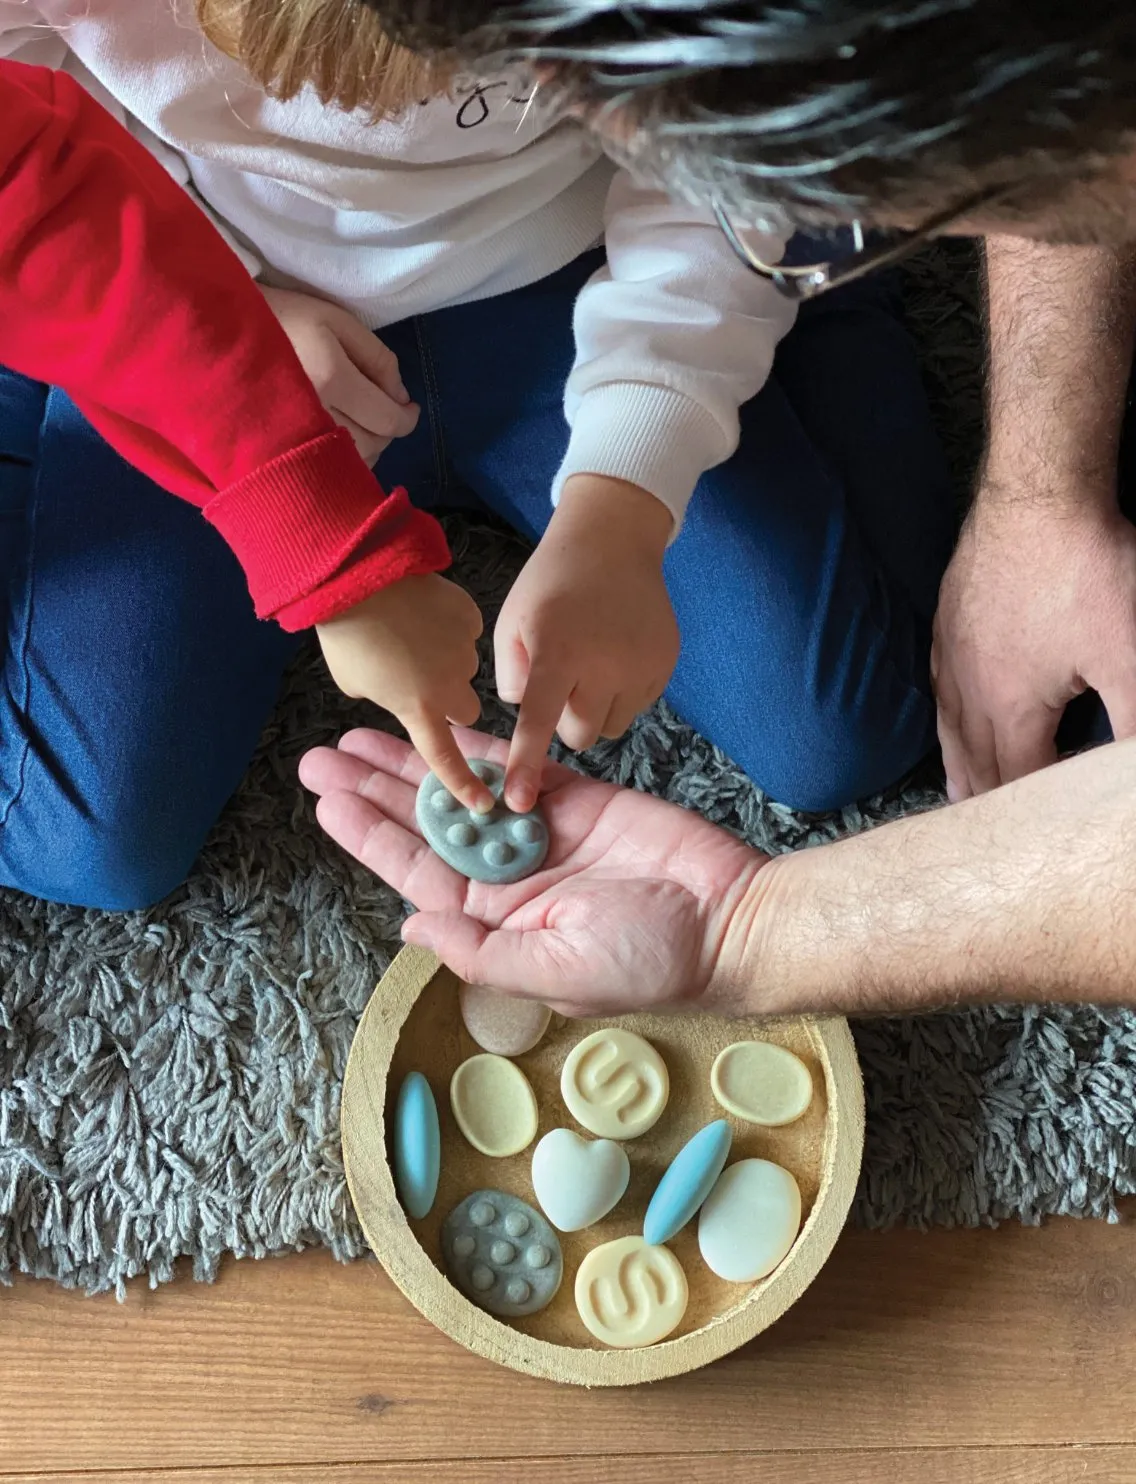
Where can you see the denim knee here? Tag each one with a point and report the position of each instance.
(120, 879)
(818, 768)
(111, 869)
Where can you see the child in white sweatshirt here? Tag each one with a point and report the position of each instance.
(618, 403)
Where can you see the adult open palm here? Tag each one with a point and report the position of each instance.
(632, 910)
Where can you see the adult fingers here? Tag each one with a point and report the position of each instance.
(327, 770)
(1027, 744)
(980, 745)
(435, 741)
(382, 751)
(1120, 703)
(541, 705)
(951, 722)
(508, 960)
(400, 857)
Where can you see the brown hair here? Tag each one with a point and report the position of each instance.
(338, 46)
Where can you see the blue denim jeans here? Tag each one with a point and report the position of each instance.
(137, 680)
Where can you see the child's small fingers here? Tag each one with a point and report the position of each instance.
(510, 664)
(541, 705)
(433, 738)
(581, 722)
(464, 707)
(370, 445)
(619, 717)
(354, 395)
(374, 359)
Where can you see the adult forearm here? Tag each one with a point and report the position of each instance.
(1024, 894)
(1062, 322)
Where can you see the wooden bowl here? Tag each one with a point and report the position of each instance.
(412, 1023)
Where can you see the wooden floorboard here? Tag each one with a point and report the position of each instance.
(1071, 1465)
(1006, 1340)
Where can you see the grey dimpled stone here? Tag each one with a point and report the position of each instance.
(497, 847)
(502, 1254)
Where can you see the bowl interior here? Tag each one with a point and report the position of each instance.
(434, 1041)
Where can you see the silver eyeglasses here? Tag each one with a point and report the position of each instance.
(813, 279)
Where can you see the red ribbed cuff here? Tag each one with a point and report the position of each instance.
(315, 532)
(420, 546)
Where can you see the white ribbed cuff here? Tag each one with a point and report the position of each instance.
(651, 436)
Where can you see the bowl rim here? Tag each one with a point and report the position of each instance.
(370, 1182)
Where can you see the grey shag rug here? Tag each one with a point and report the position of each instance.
(169, 1080)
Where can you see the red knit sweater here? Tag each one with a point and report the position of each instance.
(115, 287)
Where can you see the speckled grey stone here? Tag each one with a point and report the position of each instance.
(502, 1254)
(497, 847)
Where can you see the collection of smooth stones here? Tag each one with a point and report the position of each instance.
(502, 1252)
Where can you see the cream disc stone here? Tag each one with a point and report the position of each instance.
(629, 1293)
(750, 1220)
(494, 1105)
(615, 1084)
(762, 1083)
(501, 1023)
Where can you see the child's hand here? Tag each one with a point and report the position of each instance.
(412, 649)
(354, 373)
(587, 638)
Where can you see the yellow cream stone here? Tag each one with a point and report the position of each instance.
(615, 1084)
(761, 1083)
(494, 1105)
(629, 1293)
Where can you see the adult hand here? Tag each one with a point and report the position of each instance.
(639, 906)
(587, 637)
(412, 649)
(1037, 605)
(354, 373)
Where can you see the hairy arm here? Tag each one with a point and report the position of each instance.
(1039, 602)
(1026, 894)
(1062, 321)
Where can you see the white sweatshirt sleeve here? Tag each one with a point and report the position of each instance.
(673, 335)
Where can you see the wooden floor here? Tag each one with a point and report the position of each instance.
(1004, 1357)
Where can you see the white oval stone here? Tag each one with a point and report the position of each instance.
(502, 1023)
(576, 1181)
(750, 1220)
(762, 1083)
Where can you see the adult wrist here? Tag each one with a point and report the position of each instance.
(755, 970)
(1022, 479)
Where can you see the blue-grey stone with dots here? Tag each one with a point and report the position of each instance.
(498, 847)
(502, 1254)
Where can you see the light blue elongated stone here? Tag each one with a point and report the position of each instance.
(417, 1146)
(498, 847)
(689, 1179)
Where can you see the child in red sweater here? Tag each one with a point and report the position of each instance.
(137, 675)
